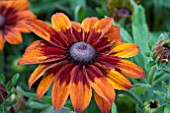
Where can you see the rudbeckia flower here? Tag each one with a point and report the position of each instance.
(80, 57)
(120, 8)
(13, 15)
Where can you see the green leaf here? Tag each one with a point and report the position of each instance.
(10, 103)
(63, 110)
(166, 3)
(79, 13)
(101, 11)
(38, 105)
(2, 78)
(147, 54)
(167, 109)
(151, 75)
(45, 99)
(114, 108)
(150, 64)
(139, 27)
(125, 35)
(140, 60)
(160, 93)
(139, 89)
(134, 96)
(160, 109)
(8, 85)
(15, 79)
(165, 87)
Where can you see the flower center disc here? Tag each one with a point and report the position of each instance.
(82, 53)
(153, 105)
(122, 12)
(2, 21)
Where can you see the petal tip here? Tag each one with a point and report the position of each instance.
(29, 85)
(57, 108)
(143, 75)
(39, 96)
(19, 63)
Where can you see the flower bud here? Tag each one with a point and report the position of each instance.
(162, 50)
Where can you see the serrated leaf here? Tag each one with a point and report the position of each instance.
(15, 79)
(167, 98)
(2, 78)
(165, 87)
(11, 93)
(8, 85)
(160, 93)
(150, 64)
(147, 54)
(10, 103)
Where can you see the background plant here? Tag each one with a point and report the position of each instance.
(149, 23)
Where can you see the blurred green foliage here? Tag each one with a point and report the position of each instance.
(149, 22)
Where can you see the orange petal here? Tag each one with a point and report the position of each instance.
(99, 30)
(12, 36)
(88, 23)
(77, 31)
(6, 6)
(12, 6)
(45, 83)
(37, 44)
(22, 27)
(46, 32)
(113, 34)
(42, 54)
(60, 22)
(103, 25)
(130, 69)
(18, 20)
(125, 50)
(80, 92)
(76, 25)
(101, 86)
(110, 39)
(20, 16)
(61, 87)
(38, 72)
(118, 81)
(1, 42)
(20, 5)
(103, 105)
(124, 66)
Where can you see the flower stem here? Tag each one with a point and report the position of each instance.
(151, 75)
